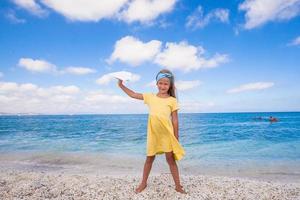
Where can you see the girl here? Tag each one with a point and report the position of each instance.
(162, 130)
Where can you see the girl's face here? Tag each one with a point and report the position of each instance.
(163, 85)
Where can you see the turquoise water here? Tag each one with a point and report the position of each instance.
(205, 137)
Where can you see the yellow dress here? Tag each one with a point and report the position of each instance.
(160, 133)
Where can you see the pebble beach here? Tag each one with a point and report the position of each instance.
(50, 185)
(62, 177)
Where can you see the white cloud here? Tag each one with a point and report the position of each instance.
(96, 97)
(295, 42)
(31, 6)
(65, 89)
(146, 10)
(186, 85)
(11, 16)
(30, 98)
(28, 87)
(36, 65)
(181, 56)
(82, 10)
(185, 57)
(124, 75)
(251, 86)
(8, 86)
(198, 20)
(79, 70)
(259, 12)
(195, 106)
(143, 11)
(133, 51)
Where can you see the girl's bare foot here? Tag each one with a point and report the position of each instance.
(179, 189)
(140, 188)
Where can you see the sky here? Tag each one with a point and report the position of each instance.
(61, 56)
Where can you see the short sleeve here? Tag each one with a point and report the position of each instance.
(146, 97)
(174, 105)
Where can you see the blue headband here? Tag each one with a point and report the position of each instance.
(163, 75)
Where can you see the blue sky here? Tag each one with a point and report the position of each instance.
(60, 56)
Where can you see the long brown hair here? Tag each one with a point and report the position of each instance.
(172, 89)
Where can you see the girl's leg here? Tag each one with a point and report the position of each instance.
(174, 170)
(146, 172)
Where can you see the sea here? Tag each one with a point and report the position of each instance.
(215, 143)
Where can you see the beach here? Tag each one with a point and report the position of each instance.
(50, 185)
(66, 177)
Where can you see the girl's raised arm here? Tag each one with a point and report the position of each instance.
(129, 92)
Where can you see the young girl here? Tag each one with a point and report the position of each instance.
(162, 131)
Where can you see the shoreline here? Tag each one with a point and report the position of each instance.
(117, 165)
(94, 176)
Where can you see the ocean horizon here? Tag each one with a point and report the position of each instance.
(146, 113)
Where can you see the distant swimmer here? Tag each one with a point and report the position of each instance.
(273, 119)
